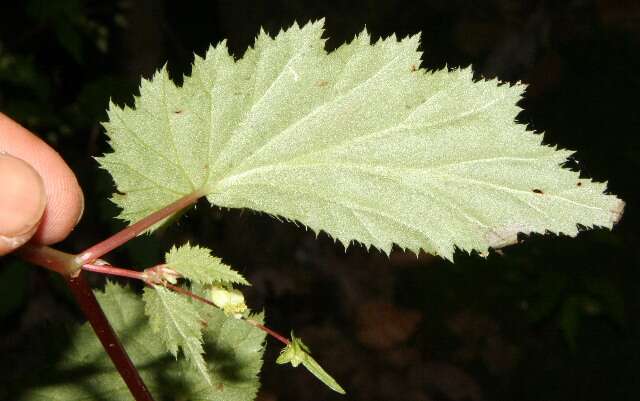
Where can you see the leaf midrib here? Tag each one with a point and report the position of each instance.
(354, 166)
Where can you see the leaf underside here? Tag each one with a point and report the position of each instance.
(359, 143)
(233, 352)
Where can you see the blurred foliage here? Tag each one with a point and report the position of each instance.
(49, 52)
(552, 318)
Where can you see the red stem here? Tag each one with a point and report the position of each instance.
(118, 271)
(52, 259)
(91, 309)
(111, 243)
(69, 267)
(250, 321)
(189, 294)
(272, 333)
(114, 271)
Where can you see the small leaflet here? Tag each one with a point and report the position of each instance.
(297, 353)
(198, 265)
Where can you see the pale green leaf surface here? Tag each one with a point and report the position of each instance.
(174, 318)
(197, 264)
(359, 143)
(233, 353)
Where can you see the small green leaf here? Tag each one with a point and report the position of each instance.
(198, 265)
(298, 353)
(178, 324)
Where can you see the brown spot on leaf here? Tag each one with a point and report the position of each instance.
(414, 68)
(579, 184)
(220, 386)
(537, 191)
(177, 112)
(322, 83)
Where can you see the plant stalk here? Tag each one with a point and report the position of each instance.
(120, 272)
(52, 259)
(69, 266)
(92, 310)
(132, 231)
(66, 265)
(267, 330)
(114, 271)
(252, 322)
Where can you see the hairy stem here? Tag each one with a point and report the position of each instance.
(120, 272)
(188, 293)
(252, 322)
(66, 265)
(267, 330)
(114, 271)
(52, 259)
(111, 243)
(92, 310)
(70, 266)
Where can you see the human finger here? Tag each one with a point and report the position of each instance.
(22, 202)
(65, 201)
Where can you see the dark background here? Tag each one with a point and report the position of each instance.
(550, 319)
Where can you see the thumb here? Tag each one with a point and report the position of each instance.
(22, 202)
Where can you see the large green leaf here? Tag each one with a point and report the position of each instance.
(359, 143)
(233, 352)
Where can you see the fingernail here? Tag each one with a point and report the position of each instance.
(22, 199)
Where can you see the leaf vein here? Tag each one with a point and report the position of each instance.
(319, 108)
(144, 145)
(171, 135)
(141, 175)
